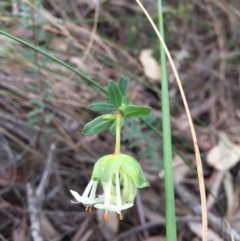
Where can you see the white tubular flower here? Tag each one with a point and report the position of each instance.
(89, 195)
(120, 175)
(112, 197)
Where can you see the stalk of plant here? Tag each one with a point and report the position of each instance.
(171, 232)
(120, 175)
(118, 133)
(195, 143)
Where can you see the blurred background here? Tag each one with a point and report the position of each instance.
(43, 108)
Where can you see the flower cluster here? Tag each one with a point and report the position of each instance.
(120, 175)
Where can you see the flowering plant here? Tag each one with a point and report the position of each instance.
(120, 175)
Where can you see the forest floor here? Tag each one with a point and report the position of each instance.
(44, 106)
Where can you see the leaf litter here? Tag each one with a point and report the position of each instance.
(65, 33)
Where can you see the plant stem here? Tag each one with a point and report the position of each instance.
(167, 143)
(118, 133)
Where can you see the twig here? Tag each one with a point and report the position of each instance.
(35, 198)
(34, 214)
(216, 222)
(44, 181)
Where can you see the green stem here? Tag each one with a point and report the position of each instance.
(167, 143)
(118, 134)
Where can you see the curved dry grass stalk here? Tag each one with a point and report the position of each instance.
(195, 143)
(94, 30)
(92, 36)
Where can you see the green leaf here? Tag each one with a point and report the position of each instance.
(105, 167)
(36, 89)
(113, 128)
(109, 117)
(49, 130)
(132, 167)
(48, 117)
(135, 110)
(114, 93)
(121, 110)
(102, 106)
(49, 98)
(44, 137)
(35, 120)
(124, 101)
(35, 112)
(38, 102)
(123, 85)
(96, 126)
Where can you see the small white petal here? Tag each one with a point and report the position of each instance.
(92, 201)
(76, 195)
(99, 206)
(127, 205)
(85, 200)
(107, 192)
(93, 190)
(112, 207)
(88, 189)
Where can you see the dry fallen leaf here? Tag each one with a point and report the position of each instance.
(150, 65)
(77, 61)
(196, 228)
(224, 155)
(58, 46)
(180, 169)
